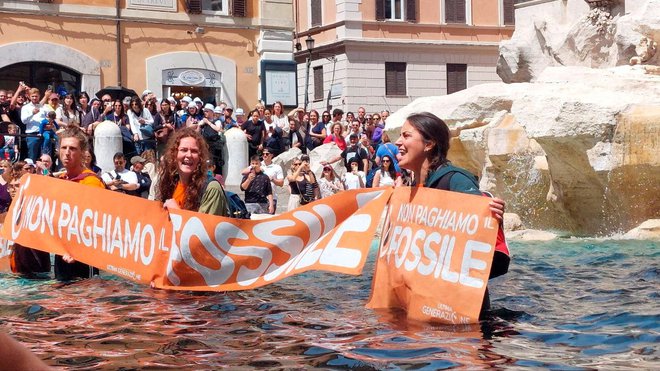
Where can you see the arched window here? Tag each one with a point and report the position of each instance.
(41, 75)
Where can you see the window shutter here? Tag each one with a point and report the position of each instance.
(509, 13)
(317, 13)
(239, 8)
(318, 83)
(460, 11)
(380, 10)
(456, 77)
(195, 6)
(411, 10)
(455, 11)
(395, 78)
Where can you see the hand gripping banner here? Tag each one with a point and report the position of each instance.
(435, 255)
(181, 250)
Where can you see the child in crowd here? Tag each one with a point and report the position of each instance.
(48, 129)
(10, 149)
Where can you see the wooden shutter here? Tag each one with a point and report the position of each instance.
(411, 10)
(509, 13)
(380, 10)
(239, 8)
(456, 77)
(455, 11)
(395, 78)
(318, 83)
(195, 6)
(317, 13)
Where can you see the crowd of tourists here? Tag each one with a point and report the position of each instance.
(147, 123)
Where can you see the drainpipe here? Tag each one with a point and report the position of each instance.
(117, 13)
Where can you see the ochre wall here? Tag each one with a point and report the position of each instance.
(96, 38)
(485, 13)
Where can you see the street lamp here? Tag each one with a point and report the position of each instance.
(309, 41)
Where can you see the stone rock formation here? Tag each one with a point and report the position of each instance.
(600, 35)
(574, 151)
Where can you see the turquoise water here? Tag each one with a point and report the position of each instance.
(565, 304)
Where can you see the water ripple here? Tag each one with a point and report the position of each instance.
(568, 304)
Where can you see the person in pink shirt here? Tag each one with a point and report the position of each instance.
(336, 137)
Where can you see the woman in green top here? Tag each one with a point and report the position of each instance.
(183, 180)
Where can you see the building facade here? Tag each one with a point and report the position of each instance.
(383, 54)
(214, 49)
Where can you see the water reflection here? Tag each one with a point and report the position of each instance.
(565, 304)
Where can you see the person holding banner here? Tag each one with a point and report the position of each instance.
(183, 181)
(73, 144)
(423, 146)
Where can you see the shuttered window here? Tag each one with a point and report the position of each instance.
(239, 8)
(395, 78)
(318, 83)
(194, 6)
(396, 10)
(317, 14)
(456, 77)
(509, 14)
(455, 11)
(411, 10)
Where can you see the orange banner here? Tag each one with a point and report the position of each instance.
(181, 250)
(435, 255)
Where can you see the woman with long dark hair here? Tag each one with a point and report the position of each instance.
(182, 178)
(68, 112)
(317, 132)
(386, 175)
(423, 147)
(83, 105)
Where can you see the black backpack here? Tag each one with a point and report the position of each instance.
(236, 206)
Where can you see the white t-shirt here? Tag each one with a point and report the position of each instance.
(273, 171)
(352, 181)
(125, 175)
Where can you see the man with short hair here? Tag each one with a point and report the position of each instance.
(73, 144)
(274, 172)
(45, 165)
(353, 150)
(31, 116)
(227, 121)
(354, 128)
(258, 192)
(120, 179)
(337, 115)
(361, 117)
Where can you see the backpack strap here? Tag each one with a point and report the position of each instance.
(440, 178)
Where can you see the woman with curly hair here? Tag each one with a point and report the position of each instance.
(183, 181)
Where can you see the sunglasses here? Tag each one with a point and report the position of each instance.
(297, 163)
(266, 154)
(387, 161)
